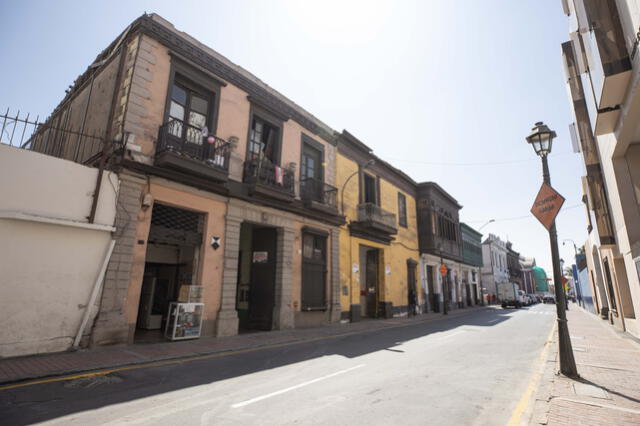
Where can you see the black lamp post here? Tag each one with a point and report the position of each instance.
(541, 138)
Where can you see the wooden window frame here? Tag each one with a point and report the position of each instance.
(402, 210)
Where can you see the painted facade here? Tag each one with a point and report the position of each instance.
(378, 243)
(602, 71)
(495, 270)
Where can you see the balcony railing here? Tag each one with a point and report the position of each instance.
(207, 156)
(314, 190)
(259, 171)
(375, 217)
(608, 59)
(584, 130)
(600, 205)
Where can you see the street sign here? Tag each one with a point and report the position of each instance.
(547, 205)
(564, 280)
(443, 270)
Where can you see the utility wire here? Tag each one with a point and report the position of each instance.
(486, 163)
(528, 216)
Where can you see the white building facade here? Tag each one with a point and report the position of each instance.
(602, 70)
(494, 269)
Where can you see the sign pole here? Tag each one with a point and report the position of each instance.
(567, 361)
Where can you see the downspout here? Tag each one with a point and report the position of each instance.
(94, 295)
(109, 133)
(105, 145)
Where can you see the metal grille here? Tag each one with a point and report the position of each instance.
(174, 218)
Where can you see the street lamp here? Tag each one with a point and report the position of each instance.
(367, 164)
(578, 287)
(490, 221)
(541, 139)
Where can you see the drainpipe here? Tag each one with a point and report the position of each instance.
(94, 295)
(109, 133)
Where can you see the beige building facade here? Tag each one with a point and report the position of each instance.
(602, 71)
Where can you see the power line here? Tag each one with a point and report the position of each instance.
(528, 216)
(486, 163)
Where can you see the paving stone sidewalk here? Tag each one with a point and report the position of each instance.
(56, 364)
(608, 391)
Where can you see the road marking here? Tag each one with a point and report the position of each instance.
(152, 364)
(495, 320)
(533, 383)
(453, 334)
(289, 389)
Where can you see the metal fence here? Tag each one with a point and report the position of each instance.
(56, 137)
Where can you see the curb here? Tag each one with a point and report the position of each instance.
(76, 373)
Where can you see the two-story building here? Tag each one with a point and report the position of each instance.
(471, 265)
(440, 243)
(227, 192)
(378, 251)
(514, 267)
(494, 270)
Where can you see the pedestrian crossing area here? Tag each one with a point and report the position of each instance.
(540, 312)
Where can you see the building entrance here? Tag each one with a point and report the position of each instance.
(173, 248)
(255, 296)
(369, 287)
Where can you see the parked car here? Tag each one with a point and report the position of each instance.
(549, 299)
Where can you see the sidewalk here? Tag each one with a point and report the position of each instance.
(62, 363)
(608, 391)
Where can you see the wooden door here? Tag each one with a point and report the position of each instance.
(314, 272)
(371, 282)
(263, 278)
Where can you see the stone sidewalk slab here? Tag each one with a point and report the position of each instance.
(63, 363)
(608, 390)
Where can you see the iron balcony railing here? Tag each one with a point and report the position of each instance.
(316, 190)
(210, 149)
(373, 214)
(259, 170)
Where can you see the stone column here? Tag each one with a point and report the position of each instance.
(227, 320)
(334, 276)
(283, 310)
(111, 326)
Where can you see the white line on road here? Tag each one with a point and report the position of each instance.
(453, 334)
(280, 392)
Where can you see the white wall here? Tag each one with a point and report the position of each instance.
(50, 256)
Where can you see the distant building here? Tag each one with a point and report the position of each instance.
(494, 270)
(528, 277)
(471, 264)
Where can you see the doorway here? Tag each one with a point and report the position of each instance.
(173, 250)
(412, 295)
(433, 297)
(255, 294)
(369, 288)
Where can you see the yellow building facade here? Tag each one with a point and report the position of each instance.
(379, 254)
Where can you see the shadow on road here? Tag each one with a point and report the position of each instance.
(49, 401)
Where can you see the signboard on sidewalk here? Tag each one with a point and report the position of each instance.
(547, 205)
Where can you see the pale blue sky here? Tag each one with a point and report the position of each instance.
(421, 82)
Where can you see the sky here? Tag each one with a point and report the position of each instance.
(445, 90)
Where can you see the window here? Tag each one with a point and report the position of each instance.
(189, 111)
(370, 189)
(263, 140)
(402, 210)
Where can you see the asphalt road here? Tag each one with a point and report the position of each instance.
(471, 369)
